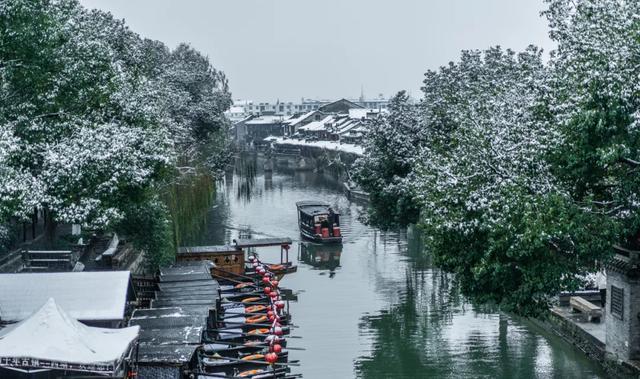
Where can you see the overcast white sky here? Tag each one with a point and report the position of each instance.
(288, 49)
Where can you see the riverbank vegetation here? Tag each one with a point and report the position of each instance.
(521, 173)
(101, 127)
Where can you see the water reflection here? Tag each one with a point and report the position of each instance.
(322, 257)
(386, 312)
(246, 169)
(432, 332)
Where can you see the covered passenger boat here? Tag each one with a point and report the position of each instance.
(318, 222)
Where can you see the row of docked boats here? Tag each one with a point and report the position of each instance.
(218, 312)
(249, 337)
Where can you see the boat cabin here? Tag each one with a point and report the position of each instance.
(318, 222)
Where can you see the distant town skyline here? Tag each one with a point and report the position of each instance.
(289, 49)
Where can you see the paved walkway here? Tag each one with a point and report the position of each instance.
(596, 329)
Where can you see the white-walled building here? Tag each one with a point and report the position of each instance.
(242, 109)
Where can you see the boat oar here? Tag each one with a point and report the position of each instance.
(232, 315)
(249, 303)
(244, 334)
(256, 361)
(240, 325)
(260, 344)
(285, 330)
(254, 293)
(224, 376)
(231, 273)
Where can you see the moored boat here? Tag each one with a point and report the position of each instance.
(318, 222)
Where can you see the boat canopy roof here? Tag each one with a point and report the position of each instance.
(314, 207)
(172, 328)
(311, 203)
(242, 243)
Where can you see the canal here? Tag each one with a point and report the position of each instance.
(376, 307)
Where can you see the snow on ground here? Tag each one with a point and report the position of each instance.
(329, 145)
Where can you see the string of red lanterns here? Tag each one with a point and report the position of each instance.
(276, 309)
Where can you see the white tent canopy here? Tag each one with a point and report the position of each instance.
(86, 296)
(52, 339)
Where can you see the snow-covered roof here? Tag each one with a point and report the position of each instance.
(236, 109)
(349, 126)
(86, 296)
(51, 335)
(330, 145)
(294, 120)
(360, 112)
(265, 120)
(173, 326)
(317, 125)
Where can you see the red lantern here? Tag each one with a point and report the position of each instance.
(265, 279)
(271, 358)
(275, 283)
(255, 264)
(270, 314)
(280, 304)
(278, 331)
(273, 294)
(267, 290)
(276, 348)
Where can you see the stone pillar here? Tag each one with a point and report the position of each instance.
(622, 313)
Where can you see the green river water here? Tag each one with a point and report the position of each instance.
(376, 307)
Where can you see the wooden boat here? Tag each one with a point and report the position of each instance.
(279, 269)
(229, 260)
(318, 222)
(258, 373)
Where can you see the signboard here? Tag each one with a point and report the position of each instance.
(24, 362)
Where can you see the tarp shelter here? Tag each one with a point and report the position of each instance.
(51, 339)
(172, 329)
(94, 298)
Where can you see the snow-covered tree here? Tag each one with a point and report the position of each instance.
(194, 97)
(492, 209)
(391, 144)
(93, 118)
(78, 116)
(596, 96)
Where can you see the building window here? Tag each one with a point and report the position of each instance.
(617, 302)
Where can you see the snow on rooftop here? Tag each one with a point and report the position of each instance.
(317, 125)
(86, 296)
(235, 109)
(294, 120)
(51, 334)
(265, 120)
(330, 145)
(360, 113)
